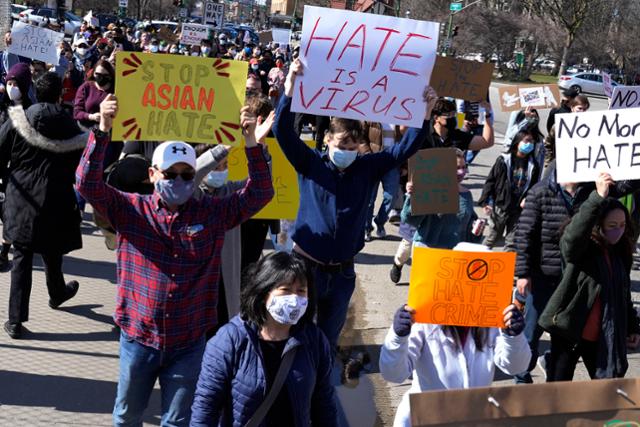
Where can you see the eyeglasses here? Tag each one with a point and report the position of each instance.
(186, 176)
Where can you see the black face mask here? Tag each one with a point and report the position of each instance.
(452, 123)
(102, 80)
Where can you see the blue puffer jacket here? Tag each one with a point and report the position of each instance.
(232, 382)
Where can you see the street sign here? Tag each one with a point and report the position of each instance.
(123, 3)
(213, 14)
(455, 7)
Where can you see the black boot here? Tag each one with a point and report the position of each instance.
(70, 292)
(14, 330)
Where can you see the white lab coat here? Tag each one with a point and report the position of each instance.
(436, 364)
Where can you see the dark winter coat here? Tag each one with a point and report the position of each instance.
(43, 146)
(498, 184)
(585, 277)
(545, 211)
(232, 382)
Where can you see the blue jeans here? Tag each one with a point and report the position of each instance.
(140, 366)
(390, 183)
(334, 292)
(536, 301)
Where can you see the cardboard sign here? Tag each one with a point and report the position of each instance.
(265, 37)
(514, 98)
(548, 404)
(35, 42)
(461, 79)
(175, 97)
(461, 288)
(606, 82)
(435, 185)
(625, 97)
(364, 66)
(165, 33)
(286, 200)
(213, 14)
(193, 34)
(598, 141)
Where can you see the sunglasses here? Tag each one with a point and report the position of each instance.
(186, 176)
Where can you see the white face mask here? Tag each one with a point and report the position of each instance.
(205, 51)
(173, 50)
(81, 51)
(14, 93)
(342, 158)
(216, 179)
(153, 48)
(287, 309)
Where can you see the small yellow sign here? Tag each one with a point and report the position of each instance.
(172, 97)
(286, 200)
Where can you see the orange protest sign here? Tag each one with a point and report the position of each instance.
(461, 288)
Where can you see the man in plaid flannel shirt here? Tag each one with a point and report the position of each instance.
(168, 261)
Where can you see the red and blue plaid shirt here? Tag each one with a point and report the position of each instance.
(169, 262)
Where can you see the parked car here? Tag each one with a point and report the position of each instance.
(584, 82)
(16, 9)
(545, 64)
(71, 22)
(576, 69)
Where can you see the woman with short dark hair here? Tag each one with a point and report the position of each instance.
(270, 365)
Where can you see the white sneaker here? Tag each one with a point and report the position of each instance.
(380, 232)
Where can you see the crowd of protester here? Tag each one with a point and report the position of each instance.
(241, 338)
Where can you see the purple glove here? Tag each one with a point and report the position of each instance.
(402, 322)
(515, 325)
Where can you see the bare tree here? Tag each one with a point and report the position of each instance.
(570, 15)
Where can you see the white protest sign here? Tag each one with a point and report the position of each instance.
(35, 42)
(213, 14)
(193, 34)
(365, 66)
(625, 97)
(281, 36)
(91, 20)
(599, 141)
(606, 81)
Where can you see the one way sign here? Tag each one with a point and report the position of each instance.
(213, 14)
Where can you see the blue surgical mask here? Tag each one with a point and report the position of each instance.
(342, 158)
(526, 147)
(174, 192)
(217, 179)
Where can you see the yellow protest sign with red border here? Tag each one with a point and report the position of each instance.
(173, 97)
(461, 288)
(286, 199)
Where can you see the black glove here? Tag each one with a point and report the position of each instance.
(515, 325)
(402, 322)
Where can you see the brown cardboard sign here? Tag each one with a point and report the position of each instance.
(517, 97)
(614, 402)
(435, 184)
(461, 79)
(165, 34)
(265, 37)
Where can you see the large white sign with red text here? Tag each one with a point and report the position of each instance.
(365, 66)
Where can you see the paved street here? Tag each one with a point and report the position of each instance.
(64, 371)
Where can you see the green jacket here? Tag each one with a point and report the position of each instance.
(567, 311)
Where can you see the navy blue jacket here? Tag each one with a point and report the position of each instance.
(232, 382)
(334, 204)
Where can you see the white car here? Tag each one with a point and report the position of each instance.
(546, 64)
(584, 82)
(71, 22)
(15, 11)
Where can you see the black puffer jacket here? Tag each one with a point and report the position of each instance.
(545, 212)
(43, 146)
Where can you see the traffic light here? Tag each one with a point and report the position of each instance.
(455, 31)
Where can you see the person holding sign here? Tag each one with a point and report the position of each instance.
(335, 190)
(591, 314)
(168, 259)
(443, 357)
(505, 189)
(577, 104)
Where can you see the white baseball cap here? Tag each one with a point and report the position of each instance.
(169, 153)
